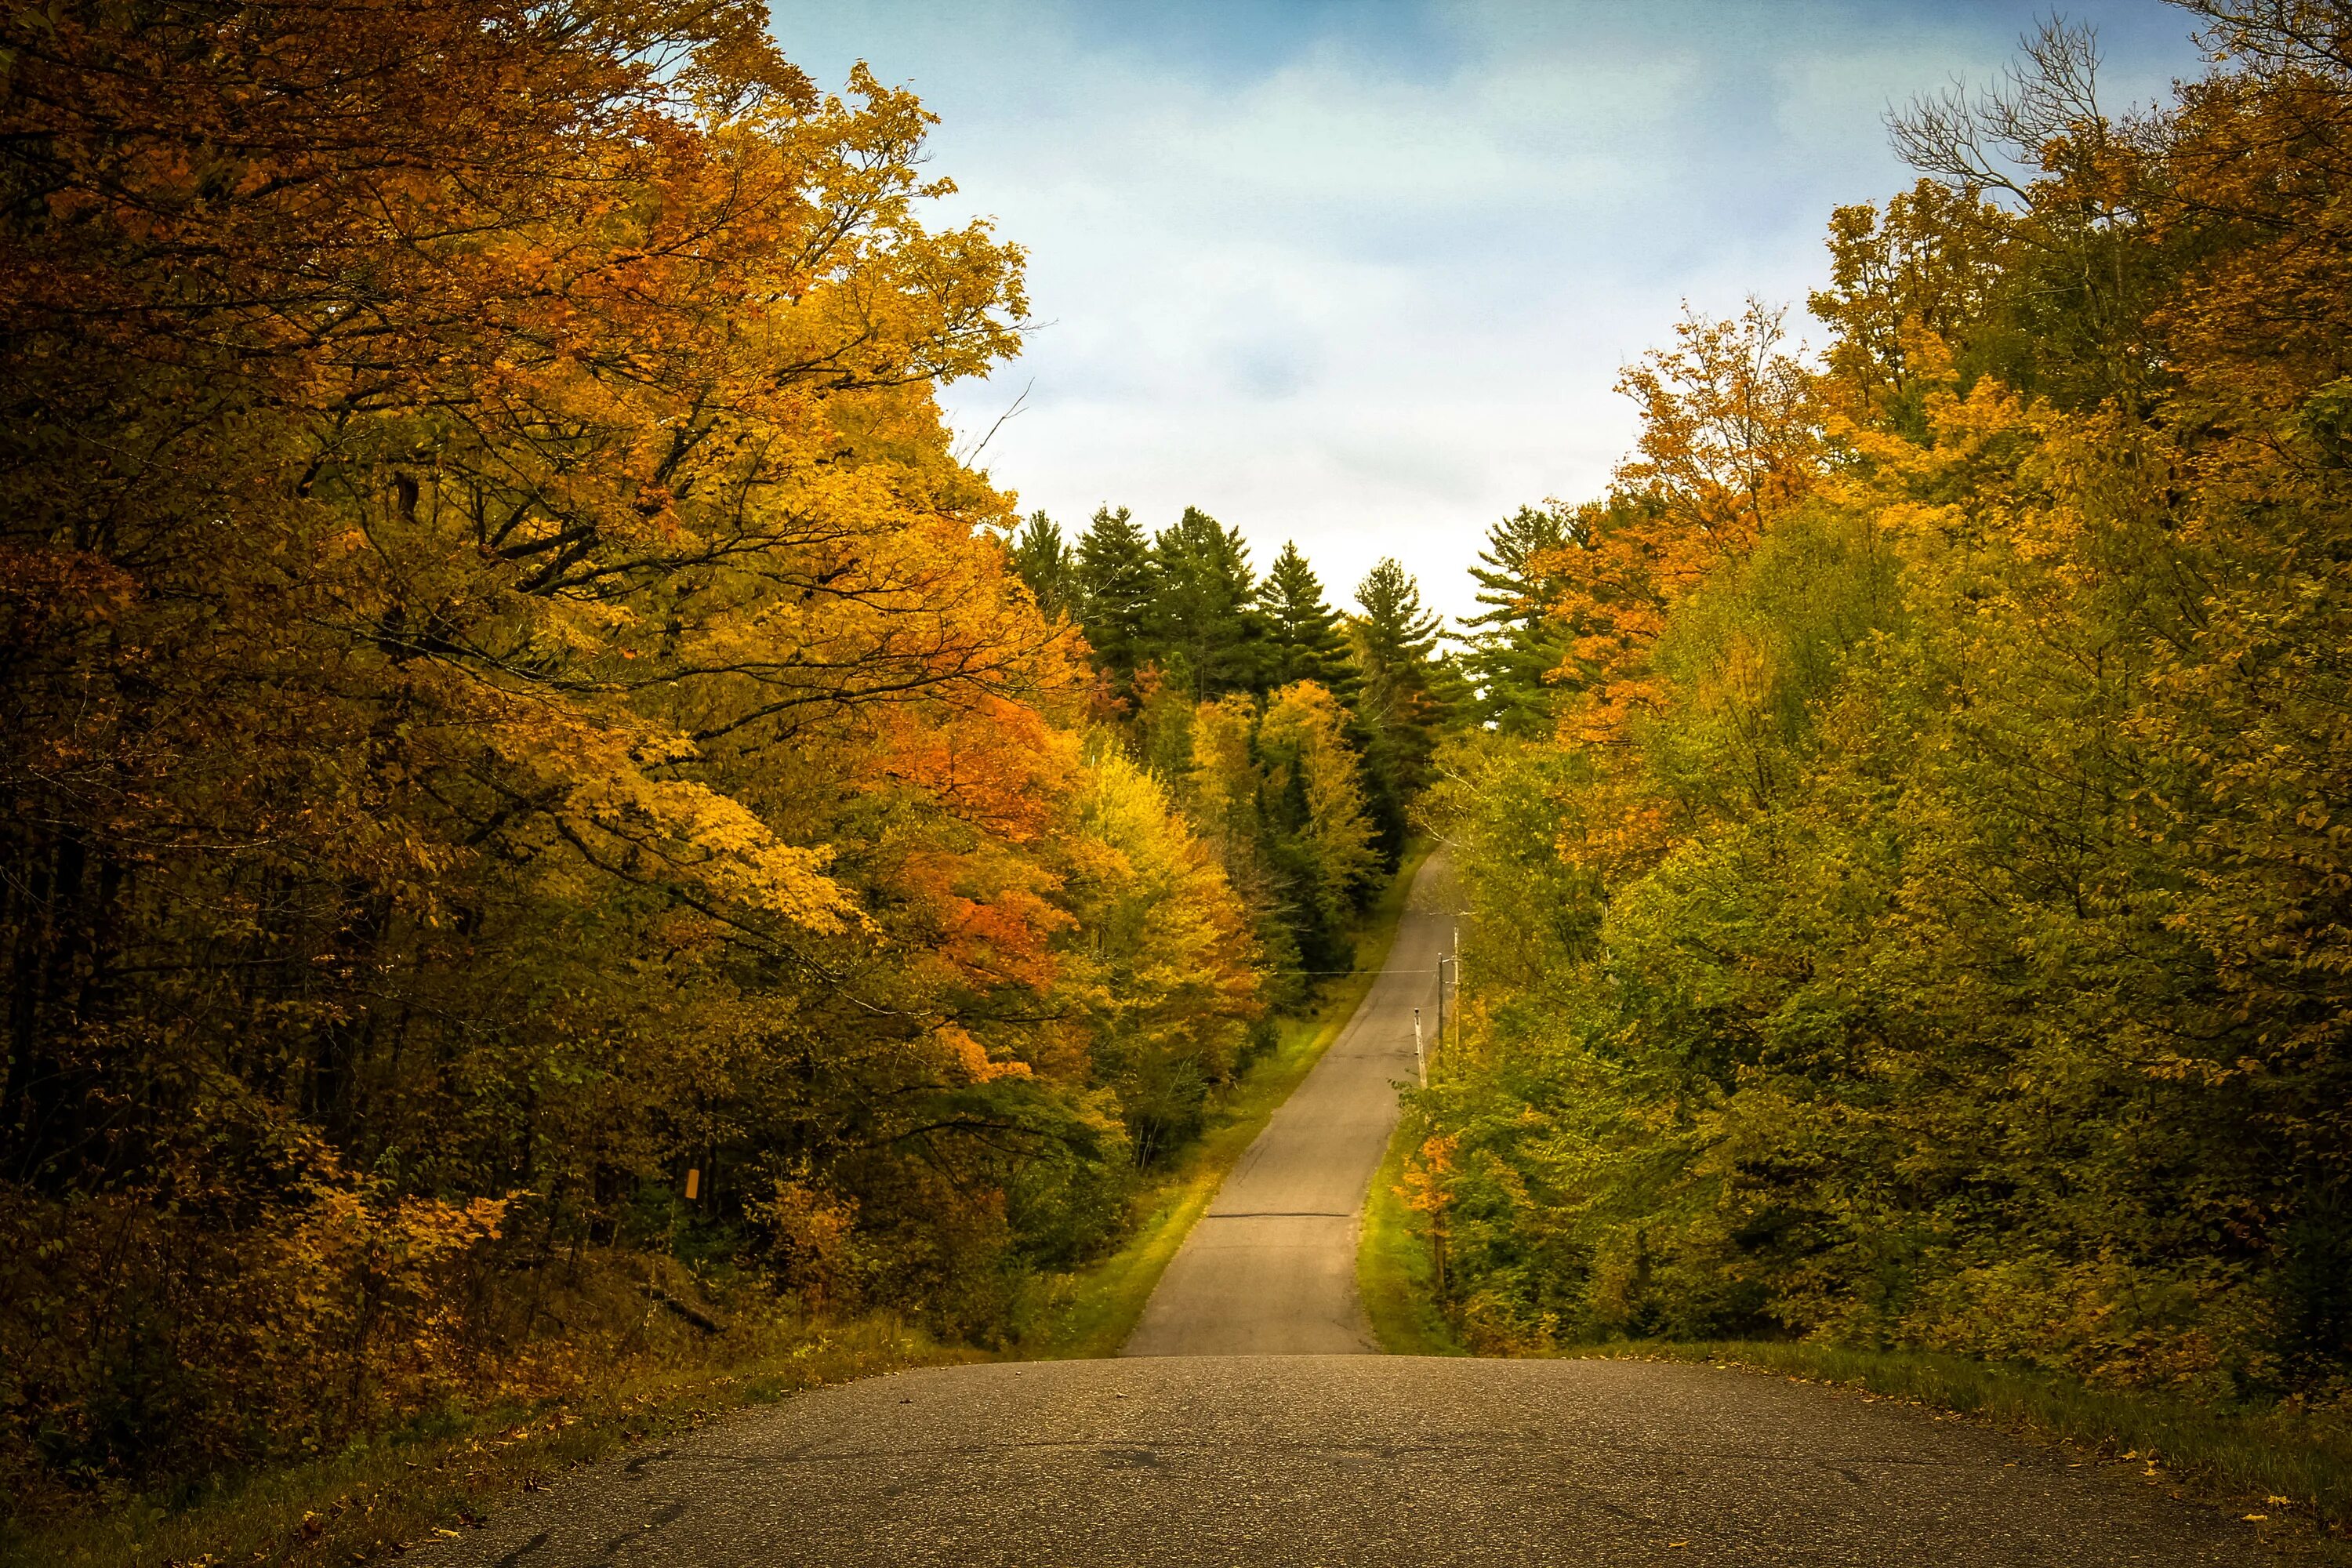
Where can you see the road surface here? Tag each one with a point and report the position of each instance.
(1270, 1269)
(1183, 1452)
(1395, 1461)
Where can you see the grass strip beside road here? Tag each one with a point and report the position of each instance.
(1091, 1311)
(1396, 1268)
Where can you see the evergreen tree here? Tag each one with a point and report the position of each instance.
(1395, 637)
(1303, 635)
(1399, 704)
(1206, 626)
(1515, 642)
(1318, 835)
(1047, 564)
(1115, 591)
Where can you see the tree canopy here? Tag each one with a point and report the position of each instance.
(1407, 693)
(1926, 922)
(1115, 589)
(511, 699)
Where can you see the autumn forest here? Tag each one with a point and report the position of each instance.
(553, 814)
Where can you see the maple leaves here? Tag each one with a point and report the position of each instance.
(510, 695)
(1727, 447)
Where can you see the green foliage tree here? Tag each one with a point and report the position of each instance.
(1203, 619)
(1277, 787)
(1318, 834)
(1116, 594)
(1404, 691)
(1930, 926)
(1224, 794)
(1048, 565)
(1303, 632)
(1196, 647)
(1514, 644)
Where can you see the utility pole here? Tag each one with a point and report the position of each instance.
(1457, 988)
(1441, 1005)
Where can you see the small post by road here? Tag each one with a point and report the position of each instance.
(1420, 1062)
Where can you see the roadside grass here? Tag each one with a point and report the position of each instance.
(1090, 1311)
(2288, 1472)
(1396, 1267)
(428, 1480)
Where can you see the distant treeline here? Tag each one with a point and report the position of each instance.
(1912, 849)
(1179, 618)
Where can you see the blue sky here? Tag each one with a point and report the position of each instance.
(1362, 273)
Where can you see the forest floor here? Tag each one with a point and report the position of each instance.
(384, 1494)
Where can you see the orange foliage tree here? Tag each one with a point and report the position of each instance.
(509, 696)
(1726, 446)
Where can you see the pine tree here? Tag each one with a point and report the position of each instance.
(1115, 583)
(1397, 712)
(1395, 636)
(1515, 642)
(1046, 563)
(1204, 621)
(1303, 631)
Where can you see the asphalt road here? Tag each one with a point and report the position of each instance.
(1346, 1460)
(1270, 1269)
(1181, 1452)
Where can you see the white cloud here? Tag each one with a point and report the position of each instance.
(1364, 275)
